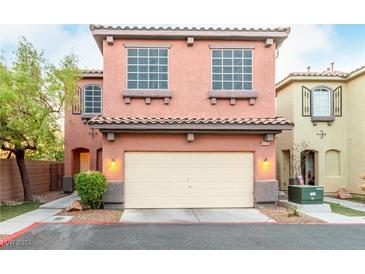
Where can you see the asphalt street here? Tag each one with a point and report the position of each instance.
(191, 236)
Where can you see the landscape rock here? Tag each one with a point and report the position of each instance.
(282, 195)
(74, 206)
(343, 193)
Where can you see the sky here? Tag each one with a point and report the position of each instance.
(307, 45)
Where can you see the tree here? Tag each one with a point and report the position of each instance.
(33, 93)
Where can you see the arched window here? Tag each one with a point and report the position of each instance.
(321, 102)
(92, 99)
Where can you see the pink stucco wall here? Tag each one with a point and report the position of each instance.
(190, 82)
(77, 134)
(163, 142)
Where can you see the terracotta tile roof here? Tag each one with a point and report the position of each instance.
(92, 73)
(108, 27)
(221, 121)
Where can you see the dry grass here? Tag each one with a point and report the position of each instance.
(94, 215)
(281, 215)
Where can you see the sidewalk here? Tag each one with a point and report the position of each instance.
(45, 211)
(345, 203)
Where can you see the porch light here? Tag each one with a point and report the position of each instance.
(266, 163)
(112, 164)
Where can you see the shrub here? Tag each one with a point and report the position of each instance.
(294, 213)
(90, 185)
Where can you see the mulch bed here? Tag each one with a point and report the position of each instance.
(94, 215)
(49, 196)
(280, 215)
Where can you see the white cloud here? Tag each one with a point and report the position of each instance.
(55, 41)
(304, 40)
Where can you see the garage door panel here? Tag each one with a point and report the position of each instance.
(188, 179)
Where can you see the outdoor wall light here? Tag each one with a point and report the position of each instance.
(266, 162)
(113, 163)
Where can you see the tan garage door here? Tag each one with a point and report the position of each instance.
(188, 179)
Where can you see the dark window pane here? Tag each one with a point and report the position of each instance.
(163, 76)
(227, 62)
(217, 53)
(247, 77)
(238, 77)
(237, 53)
(97, 104)
(153, 61)
(247, 86)
(227, 77)
(238, 70)
(217, 76)
(132, 68)
(153, 52)
(143, 52)
(132, 52)
(143, 84)
(163, 61)
(97, 92)
(237, 62)
(89, 104)
(247, 54)
(217, 62)
(153, 68)
(153, 85)
(88, 92)
(247, 62)
(163, 68)
(163, 52)
(143, 68)
(153, 76)
(227, 85)
(247, 69)
(227, 69)
(217, 70)
(143, 76)
(97, 110)
(227, 53)
(238, 85)
(217, 85)
(162, 85)
(132, 76)
(132, 84)
(132, 60)
(88, 110)
(143, 61)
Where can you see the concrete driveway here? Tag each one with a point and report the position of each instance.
(191, 236)
(201, 215)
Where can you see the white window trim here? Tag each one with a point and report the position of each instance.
(168, 68)
(211, 69)
(83, 99)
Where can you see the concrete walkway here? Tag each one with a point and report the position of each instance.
(334, 218)
(345, 203)
(214, 215)
(44, 212)
(62, 202)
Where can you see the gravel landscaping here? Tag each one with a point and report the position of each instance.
(49, 196)
(94, 215)
(281, 215)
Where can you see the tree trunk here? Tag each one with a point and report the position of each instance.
(20, 155)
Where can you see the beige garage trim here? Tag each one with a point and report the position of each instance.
(188, 179)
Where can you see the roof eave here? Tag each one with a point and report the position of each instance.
(257, 35)
(284, 83)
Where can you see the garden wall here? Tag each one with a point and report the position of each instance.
(11, 188)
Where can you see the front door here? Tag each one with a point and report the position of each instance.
(84, 161)
(308, 168)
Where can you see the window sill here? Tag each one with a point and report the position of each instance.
(328, 119)
(147, 94)
(88, 115)
(232, 95)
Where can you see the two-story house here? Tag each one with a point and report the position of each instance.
(328, 111)
(179, 117)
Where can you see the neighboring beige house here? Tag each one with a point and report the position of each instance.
(328, 110)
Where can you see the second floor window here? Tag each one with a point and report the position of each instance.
(147, 68)
(321, 102)
(92, 99)
(232, 69)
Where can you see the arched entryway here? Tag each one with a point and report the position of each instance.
(80, 160)
(308, 167)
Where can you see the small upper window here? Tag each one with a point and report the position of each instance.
(92, 99)
(147, 68)
(232, 69)
(321, 100)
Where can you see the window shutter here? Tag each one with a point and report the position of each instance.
(337, 101)
(76, 107)
(306, 102)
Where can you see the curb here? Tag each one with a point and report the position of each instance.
(17, 234)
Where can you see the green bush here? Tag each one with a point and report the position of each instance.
(90, 185)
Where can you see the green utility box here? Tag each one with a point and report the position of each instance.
(305, 194)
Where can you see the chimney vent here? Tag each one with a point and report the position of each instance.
(309, 69)
(332, 67)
